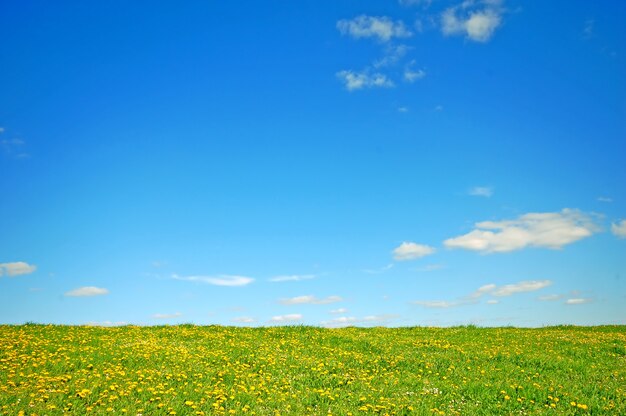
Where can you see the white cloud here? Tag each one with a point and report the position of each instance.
(588, 29)
(489, 289)
(425, 3)
(380, 270)
(476, 24)
(16, 268)
(413, 75)
(87, 291)
(393, 54)
(382, 28)
(485, 191)
(411, 251)
(604, 199)
(358, 80)
(431, 268)
(548, 230)
(243, 320)
(339, 311)
(352, 320)
(577, 301)
(106, 323)
(492, 301)
(619, 229)
(292, 278)
(525, 286)
(549, 298)
(292, 317)
(311, 300)
(403, 110)
(1, 130)
(167, 315)
(221, 280)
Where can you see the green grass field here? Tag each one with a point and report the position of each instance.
(194, 370)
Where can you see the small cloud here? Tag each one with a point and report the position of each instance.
(588, 29)
(381, 28)
(578, 301)
(351, 320)
(380, 270)
(485, 191)
(221, 280)
(311, 300)
(604, 199)
(16, 268)
(478, 25)
(412, 76)
(393, 55)
(549, 298)
(430, 268)
(551, 230)
(411, 251)
(438, 107)
(436, 303)
(292, 317)
(87, 291)
(292, 278)
(525, 286)
(106, 323)
(358, 80)
(167, 315)
(243, 320)
(403, 110)
(492, 302)
(619, 229)
(339, 311)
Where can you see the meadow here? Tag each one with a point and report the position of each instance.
(204, 370)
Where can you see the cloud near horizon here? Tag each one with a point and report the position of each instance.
(220, 280)
(16, 268)
(87, 291)
(311, 300)
(551, 230)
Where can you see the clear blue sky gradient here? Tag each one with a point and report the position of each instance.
(150, 151)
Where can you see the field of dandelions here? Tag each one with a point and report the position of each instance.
(206, 370)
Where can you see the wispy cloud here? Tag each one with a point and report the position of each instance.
(488, 289)
(547, 230)
(311, 300)
(604, 199)
(292, 278)
(352, 320)
(16, 268)
(167, 315)
(550, 298)
(477, 21)
(354, 80)
(619, 229)
(292, 317)
(411, 251)
(578, 301)
(588, 28)
(220, 280)
(87, 291)
(339, 311)
(485, 191)
(381, 28)
(243, 320)
(430, 268)
(379, 270)
(411, 74)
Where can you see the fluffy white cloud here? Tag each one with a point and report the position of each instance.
(352, 320)
(16, 268)
(411, 251)
(619, 229)
(358, 80)
(577, 301)
(339, 311)
(311, 300)
(485, 191)
(476, 24)
(382, 28)
(292, 278)
(549, 230)
(243, 320)
(221, 280)
(292, 317)
(521, 287)
(167, 315)
(87, 291)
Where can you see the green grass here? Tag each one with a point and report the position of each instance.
(187, 370)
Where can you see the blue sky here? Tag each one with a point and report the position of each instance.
(323, 163)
